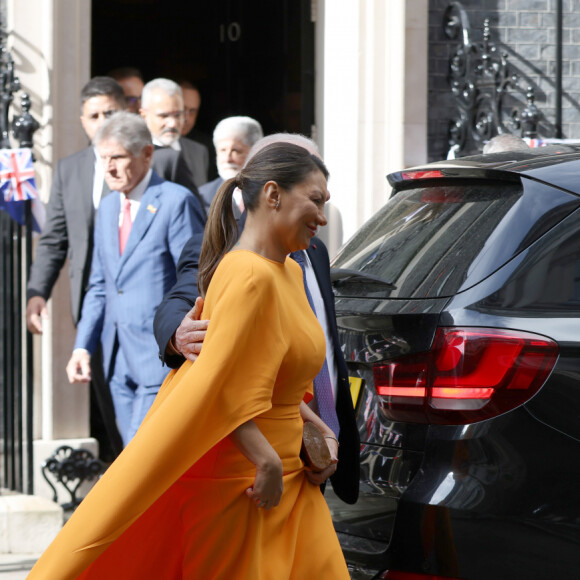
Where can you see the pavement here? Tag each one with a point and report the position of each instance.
(16, 566)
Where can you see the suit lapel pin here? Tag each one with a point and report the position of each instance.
(151, 209)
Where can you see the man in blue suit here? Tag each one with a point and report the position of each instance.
(140, 231)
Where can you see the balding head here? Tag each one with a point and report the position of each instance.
(295, 138)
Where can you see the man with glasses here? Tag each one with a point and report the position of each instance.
(163, 110)
(131, 80)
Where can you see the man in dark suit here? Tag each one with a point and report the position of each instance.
(180, 334)
(139, 234)
(131, 79)
(233, 137)
(77, 188)
(163, 110)
(192, 104)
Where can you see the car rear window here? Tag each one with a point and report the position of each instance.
(435, 241)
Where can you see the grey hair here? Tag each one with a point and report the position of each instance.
(505, 142)
(127, 129)
(248, 129)
(295, 138)
(170, 87)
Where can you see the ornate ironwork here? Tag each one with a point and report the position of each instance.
(24, 126)
(71, 468)
(530, 116)
(9, 84)
(16, 387)
(487, 95)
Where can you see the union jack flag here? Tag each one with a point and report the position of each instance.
(17, 185)
(17, 175)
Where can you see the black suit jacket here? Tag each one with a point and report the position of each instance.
(345, 481)
(196, 135)
(208, 191)
(68, 231)
(170, 165)
(187, 167)
(196, 158)
(181, 299)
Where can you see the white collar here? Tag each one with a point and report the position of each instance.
(176, 145)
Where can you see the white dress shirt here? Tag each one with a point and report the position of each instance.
(135, 196)
(98, 180)
(176, 145)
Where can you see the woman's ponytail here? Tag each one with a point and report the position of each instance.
(220, 234)
(285, 163)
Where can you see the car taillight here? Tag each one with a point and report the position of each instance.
(396, 575)
(470, 374)
(422, 174)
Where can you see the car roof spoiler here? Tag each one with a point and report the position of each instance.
(559, 170)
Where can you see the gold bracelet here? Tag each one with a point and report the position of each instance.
(330, 437)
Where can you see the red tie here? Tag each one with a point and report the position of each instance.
(126, 224)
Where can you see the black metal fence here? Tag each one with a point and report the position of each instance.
(16, 356)
(16, 377)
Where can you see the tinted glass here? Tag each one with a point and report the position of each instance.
(547, 282)
(435, 241)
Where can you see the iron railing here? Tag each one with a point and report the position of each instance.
(488, 96)
(16, 356)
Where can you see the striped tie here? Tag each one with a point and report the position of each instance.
(322, 384)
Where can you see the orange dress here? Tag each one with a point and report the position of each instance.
(173, 505)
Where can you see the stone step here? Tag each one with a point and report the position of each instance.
(28, 523)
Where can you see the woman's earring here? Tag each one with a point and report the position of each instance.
(277, 204)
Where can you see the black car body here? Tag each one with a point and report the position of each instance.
(458, 308)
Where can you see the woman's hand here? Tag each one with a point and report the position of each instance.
(268, 485)
(319, 477)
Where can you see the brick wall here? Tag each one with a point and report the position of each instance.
(526, 31)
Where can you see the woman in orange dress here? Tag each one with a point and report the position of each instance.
(212, 486)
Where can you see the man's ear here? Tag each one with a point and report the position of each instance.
(148, 152)
(272, 194)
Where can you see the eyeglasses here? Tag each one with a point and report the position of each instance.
(132, 101)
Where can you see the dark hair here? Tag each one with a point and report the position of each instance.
(285, 163)
(106, 86)
(125, 72)
(185, 84)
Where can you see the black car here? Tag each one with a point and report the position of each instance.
(458, 306)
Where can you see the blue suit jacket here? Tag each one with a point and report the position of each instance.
(208, 191)
(124, 291)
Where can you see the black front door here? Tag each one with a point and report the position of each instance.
(248, 57)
